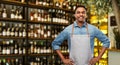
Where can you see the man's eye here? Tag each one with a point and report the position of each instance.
(78, 12)
(81, 12)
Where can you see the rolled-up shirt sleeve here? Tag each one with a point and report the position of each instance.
(59, 40)
(102, 37)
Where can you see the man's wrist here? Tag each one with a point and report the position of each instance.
(63, 58)
(98, 58)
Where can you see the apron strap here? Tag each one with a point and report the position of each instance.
(72, 29)
(86, 28)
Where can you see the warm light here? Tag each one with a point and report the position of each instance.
(104, 31)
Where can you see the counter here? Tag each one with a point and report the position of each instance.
(113, 57)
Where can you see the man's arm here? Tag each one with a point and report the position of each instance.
(60, 54)
(104, 39)
(96, 59)
(102, 52)
(64, 60)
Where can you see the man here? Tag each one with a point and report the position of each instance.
(80, 36)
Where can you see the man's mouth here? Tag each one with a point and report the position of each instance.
(81, 17)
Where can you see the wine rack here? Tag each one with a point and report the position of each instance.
(27, 29)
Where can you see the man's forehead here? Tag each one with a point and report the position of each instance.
(80, 9)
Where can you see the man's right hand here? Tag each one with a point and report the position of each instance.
(68, 62)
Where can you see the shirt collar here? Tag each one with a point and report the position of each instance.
(76, 25)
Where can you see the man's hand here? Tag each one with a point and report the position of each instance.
(68, 62)
(93, 61)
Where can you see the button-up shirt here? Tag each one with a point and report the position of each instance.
(93, 31)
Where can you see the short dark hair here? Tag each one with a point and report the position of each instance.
(80, 6)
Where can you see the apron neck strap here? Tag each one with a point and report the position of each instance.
(86, 28)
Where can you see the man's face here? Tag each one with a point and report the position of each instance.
(80, 14)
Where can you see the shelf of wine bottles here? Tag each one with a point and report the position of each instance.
(11, 61)
(28, 27)
(49, 16)
(12, 47)
(40, 60)
(65, 4)
(39, 31)
(9, 29)
(40, 47)
(11, 11)
(43, 31)
(57, 60)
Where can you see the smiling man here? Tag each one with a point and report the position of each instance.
(80, 36)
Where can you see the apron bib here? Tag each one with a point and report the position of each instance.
(80, 51)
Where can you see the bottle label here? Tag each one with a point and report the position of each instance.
(8, 51)
(16, 34)
(12, 33)
(16, 51)
(4, 33)
(24, 34)
(4, 15)
(12, 16)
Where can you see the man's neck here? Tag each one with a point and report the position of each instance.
(80, 23)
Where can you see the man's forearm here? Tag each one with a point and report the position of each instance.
(60, 54)
(102, 52)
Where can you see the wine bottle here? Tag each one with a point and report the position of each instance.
(48, 32)
(8, 29)
(12, 31)
(16, 48)
(11, 46)
(35, 16)
(12, 15)
(64, 4)
(37, 2)
(31, 14)
(45, 32)
(57, 4)
(8, 62)
(16, 61)
(16, 30)
(4, 32)
(20, 13)
(51, 3)
(16, 13)
(20, 30)
(8, 47)
(4, 14)
(22, 1)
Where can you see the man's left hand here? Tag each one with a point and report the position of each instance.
(93, 61)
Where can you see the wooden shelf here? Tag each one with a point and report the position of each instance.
(48, 23)
(5, 37)
(10, 2)
(31, 5)
(12, 55)
(64, 24)
(29, 38)
(62, 53)
(13, 20)
(43, 54)
(39, 22)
